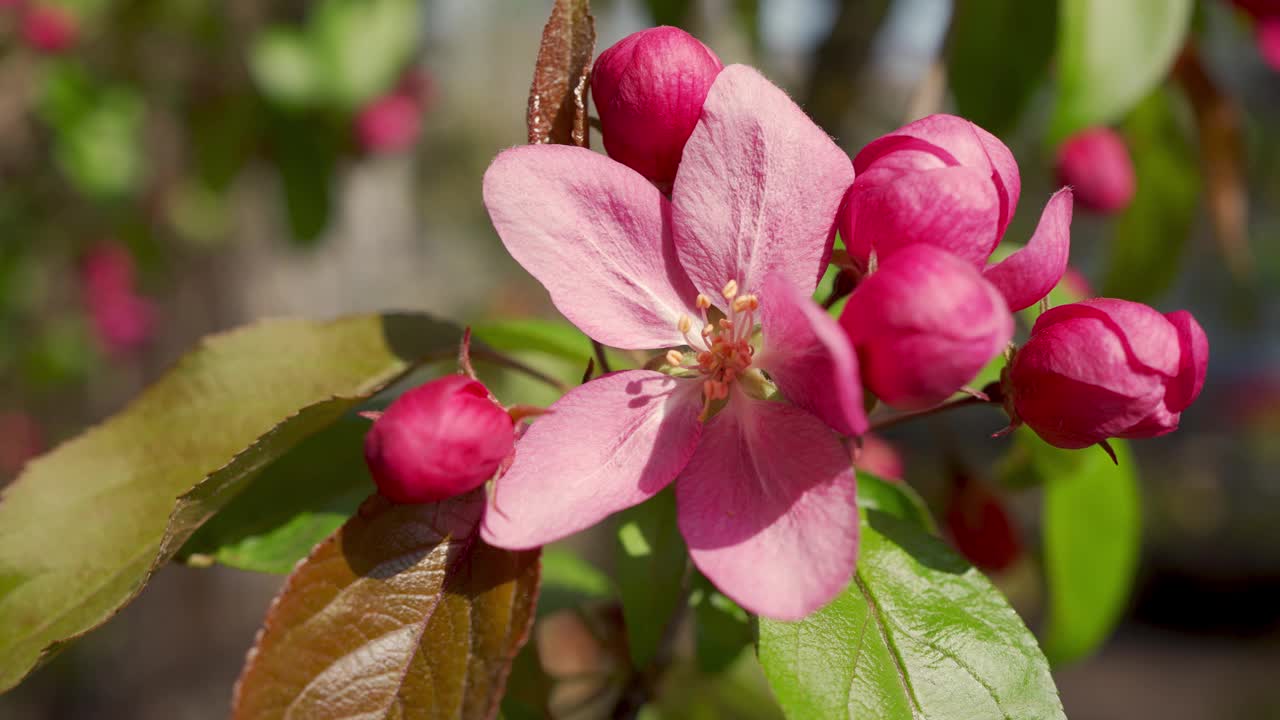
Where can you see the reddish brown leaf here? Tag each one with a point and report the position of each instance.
(403, 612)
(558, 96)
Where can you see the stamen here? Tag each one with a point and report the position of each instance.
(675, 357)
(685, 324)
(703, 302)
(708, 330)
(730, 290)
(741, 303)
(726, 323)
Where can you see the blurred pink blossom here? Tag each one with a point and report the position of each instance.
(389, 124)
(50, 29)
(1097, 166)
(122, 320)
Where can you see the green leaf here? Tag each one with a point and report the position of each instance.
(557, 111)
(722, 629)
(83, 528)
(894, 498)
(568, 581)
(998, 54)
(651, 562)
(307, 162)
(1092, 533)
(1111, 55)
(362, 46)
(556, 338)
(295, 503)
(100, 152)
(917, 634)
(284, 67)
(404, 611)
(1152, 233)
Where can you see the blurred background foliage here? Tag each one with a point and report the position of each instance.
(171, 168)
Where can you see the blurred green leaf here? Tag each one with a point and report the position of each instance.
(1111, 55)
(997, 56)
(1151, 234)
(307, 162)
(722, 629)
(61, 353)
(556, 338)
(97, 131)
(83, 527)
(285, 68)
(362, 46)
(296, 502)
(568, 581)
(1092, 534)
(894, 498)
(651, 562)
(917, 634)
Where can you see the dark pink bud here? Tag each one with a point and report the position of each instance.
(122, 320)
(940, 180)
(1106, 368)
(1269, 40)
(649, 89)
(1097, 165)
(20, 440)
(980, 525)
(923, 325)
(50, 29)
(1077, 285)
(438, 440)
(389, 124)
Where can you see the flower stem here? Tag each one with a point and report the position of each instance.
(993, 398)
(601, 361)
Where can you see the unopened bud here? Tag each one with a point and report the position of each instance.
(1096, 164)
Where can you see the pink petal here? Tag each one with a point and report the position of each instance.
(1192, 364)
(810, 357)
(598, 236)
(954, 141)
(605, 446)
(1269, 40)
(768, 507)
(758, 189)
(954, 208)
(1148, 338)
(1030, 273)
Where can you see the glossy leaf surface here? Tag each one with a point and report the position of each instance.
(404, 612)
(919, 634)
(83, 528)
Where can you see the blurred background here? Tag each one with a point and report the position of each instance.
(173, 168)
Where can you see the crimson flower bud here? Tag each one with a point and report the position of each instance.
(880, 458)
(122, 320)
(389, 124)
(1106, 368)
(49, 29)
(1097, 165)
(649, 89)
(980, 526)
(923, 325)
(438, 440)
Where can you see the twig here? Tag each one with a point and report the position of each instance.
(904, 417)
(510, 363)
(601, 360)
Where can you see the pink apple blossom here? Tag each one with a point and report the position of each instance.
(924, 324)
(1106, 368)
(438, 440)
(122, 320)
(1097, 166)
(944, 181)
(649, 89)
(50, 29)
(765, 489)
(389, 124)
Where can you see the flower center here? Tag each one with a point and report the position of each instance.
(727, 341)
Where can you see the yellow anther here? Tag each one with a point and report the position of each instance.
(675, 357)
(743, 303)
(754, 302)
(703, 302)
(726, 323)
(730, 290)
(685, 324)
(708, 330)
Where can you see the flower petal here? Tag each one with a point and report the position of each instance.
(953, 141)
(1146, 336)
(597, 235)
(1193, 361)
(1030, 273)
(605, 446)
(954, 208)
(758, 189)
(810, 357)
(768, 507)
